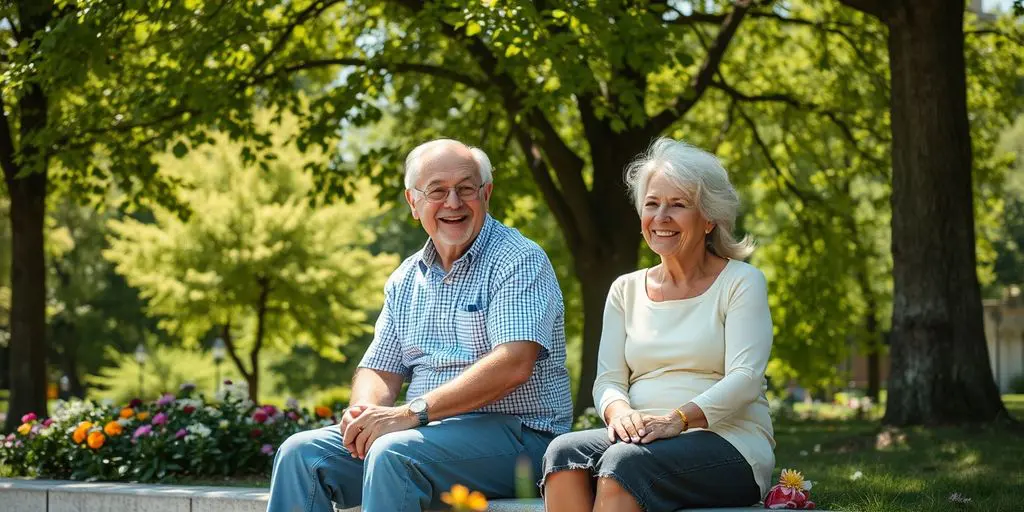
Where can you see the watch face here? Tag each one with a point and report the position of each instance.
(418, 405)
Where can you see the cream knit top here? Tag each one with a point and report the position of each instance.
(711, 349)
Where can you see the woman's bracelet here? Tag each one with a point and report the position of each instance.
(686, 422)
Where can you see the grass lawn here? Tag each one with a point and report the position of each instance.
(911, 469)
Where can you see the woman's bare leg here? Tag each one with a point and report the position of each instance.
(612, 497)
(569, 491)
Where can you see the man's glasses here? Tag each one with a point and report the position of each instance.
(440, 194)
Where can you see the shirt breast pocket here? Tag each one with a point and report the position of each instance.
(471, 331)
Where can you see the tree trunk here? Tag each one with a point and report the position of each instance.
(940, 369)
(28, 298)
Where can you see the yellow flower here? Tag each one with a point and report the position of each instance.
(96, 440)
(793, 479)
(113, 428)
(142, 415)
(24, 429)
(461, 499)
(127, 412)
(322, 411)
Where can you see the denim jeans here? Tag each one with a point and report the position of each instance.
(406, 470)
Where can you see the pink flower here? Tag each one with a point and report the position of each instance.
(159, 419)
(144, 430)
(267, 449)
(188, 409)
(134, 403)
(227, 382)
(292, 415)
(166, 399)
(180, 433)
(792, 492)
(270, 410)
(260, 416)
(255, 433)
(29, 418)
(47, 422)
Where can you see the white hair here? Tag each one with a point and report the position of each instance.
(413, 162)
(701, 175)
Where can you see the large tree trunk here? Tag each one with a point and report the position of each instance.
(28, 298)
(940, 369)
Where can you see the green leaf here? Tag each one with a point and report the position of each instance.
(472, 28)
(180, 150)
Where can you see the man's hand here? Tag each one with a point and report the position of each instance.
(661, 426)
(351, 413)
(373, 421)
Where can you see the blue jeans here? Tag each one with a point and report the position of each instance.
(405, 470)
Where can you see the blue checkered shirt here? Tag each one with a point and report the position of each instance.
(434, 325)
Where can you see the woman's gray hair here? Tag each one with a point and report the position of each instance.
(413, 161)
(700, 175)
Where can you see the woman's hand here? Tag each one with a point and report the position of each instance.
(626, 424)
(661, 426)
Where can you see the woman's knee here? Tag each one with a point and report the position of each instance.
(569, 451)
(622, 455)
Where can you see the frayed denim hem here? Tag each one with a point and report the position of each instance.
(572, 466)
(640, 500)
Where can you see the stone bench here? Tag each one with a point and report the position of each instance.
(18, 495)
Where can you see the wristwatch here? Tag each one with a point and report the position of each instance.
(419, 407)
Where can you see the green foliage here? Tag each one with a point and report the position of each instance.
(257, 259)
(165, 370)
(181, 434)
(1017, 384)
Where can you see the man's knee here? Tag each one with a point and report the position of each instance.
(394, 447)
(307, 446)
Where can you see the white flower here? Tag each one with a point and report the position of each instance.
(803, 453)
(857, 475)
(184, 402)
(213, 411)
(291, 403)
(224, 424)
(959, 498)
(197, 430)
(106, 402)
(124, 422)
(817, 448)
(65, 411)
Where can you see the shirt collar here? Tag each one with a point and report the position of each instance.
(429, 254)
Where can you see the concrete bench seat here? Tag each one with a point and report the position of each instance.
(20, 495)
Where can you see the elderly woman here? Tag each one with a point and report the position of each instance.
(681, 367)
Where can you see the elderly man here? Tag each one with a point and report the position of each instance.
(474, 322)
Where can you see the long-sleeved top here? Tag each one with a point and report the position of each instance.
(711, 349)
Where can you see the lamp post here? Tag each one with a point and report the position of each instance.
(218, 357)
(140, 357)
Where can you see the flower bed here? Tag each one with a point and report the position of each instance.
(175, 436)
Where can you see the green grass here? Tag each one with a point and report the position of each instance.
(910, 469)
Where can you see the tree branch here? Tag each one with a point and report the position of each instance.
(786, 180)
(542, 175)
(707, 71)
(413, 67)
(876, 8)
(314, 10)
(232, 350)
(994, 32)
(786, 99)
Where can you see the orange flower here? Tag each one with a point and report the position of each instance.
(81, 432)
(24, 429)
(142, 415)
(96, 440)
(113, 428)
(322, 411)
(127, 412)
(461, 499)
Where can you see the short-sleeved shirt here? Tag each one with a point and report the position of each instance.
(434, 325)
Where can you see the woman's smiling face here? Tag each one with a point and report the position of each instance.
(669, 218)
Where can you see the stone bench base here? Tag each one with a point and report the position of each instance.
(19, 495)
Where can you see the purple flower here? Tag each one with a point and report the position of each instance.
(159, 419)
(267, 449)
(29, 418)
(166, 399)
(292, 415)
(180, 433)
(144, 430)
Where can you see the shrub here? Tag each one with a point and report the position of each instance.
(157, 441)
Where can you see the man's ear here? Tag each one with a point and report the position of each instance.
(488, 188)
(412, 204)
